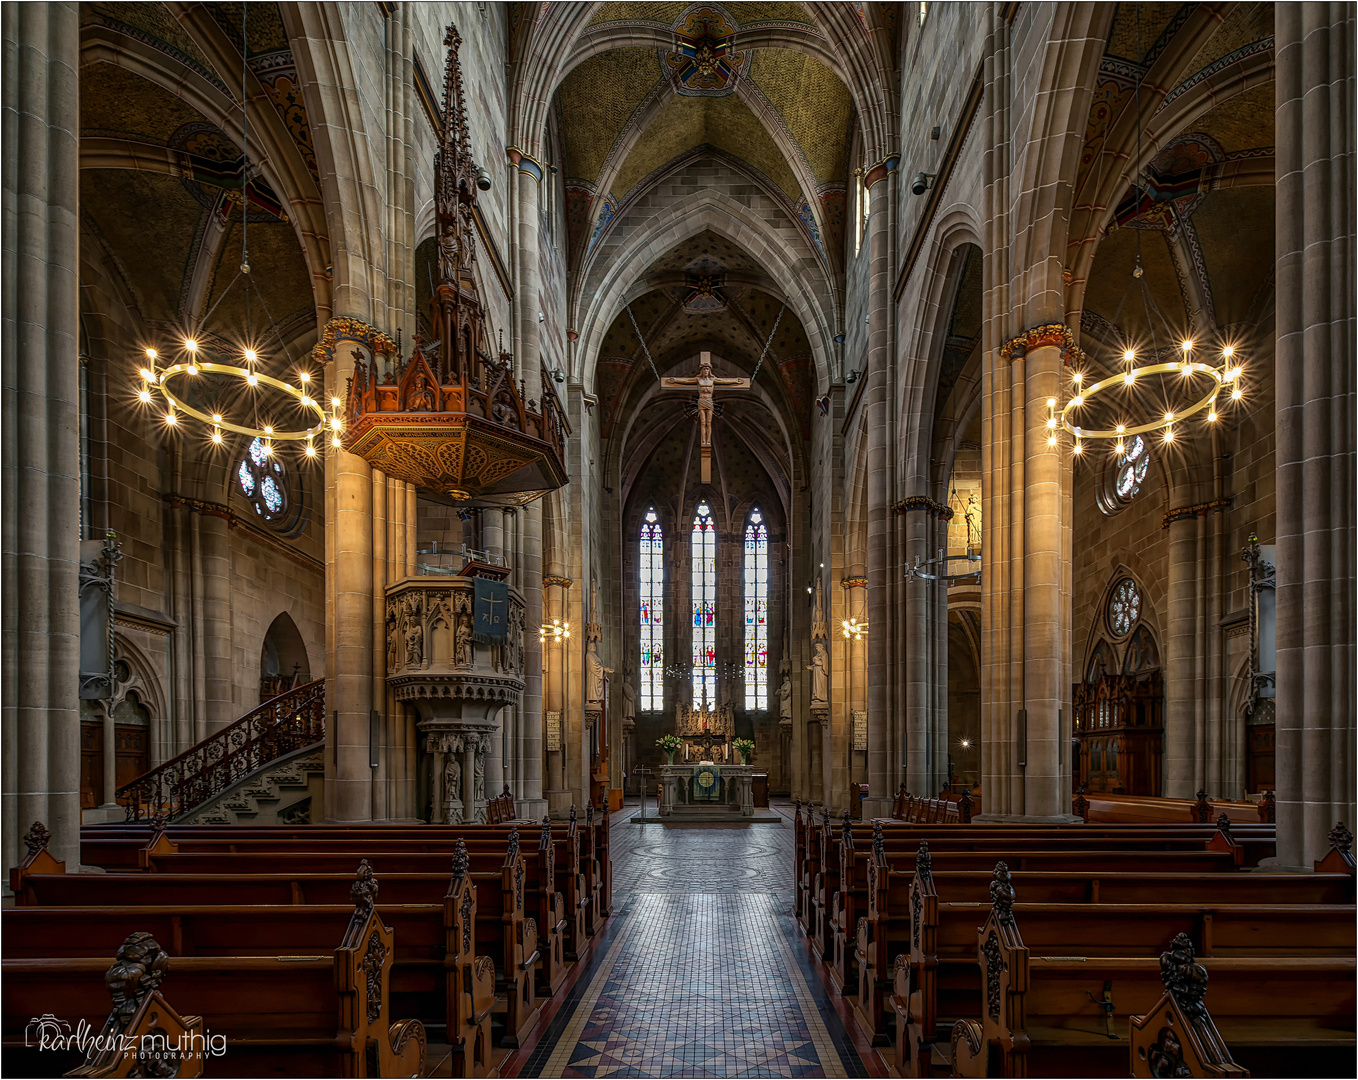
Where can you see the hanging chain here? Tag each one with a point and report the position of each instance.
(245, 144)
(767, 344)
(643, 341)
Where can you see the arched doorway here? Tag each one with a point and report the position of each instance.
(283, 661)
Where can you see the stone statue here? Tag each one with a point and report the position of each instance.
(594, 675)
(820, 675)
(973, 513)
(422, 400)
(414, 643)
(629, 697)
(462, 647)
(785, 699)
(479, 795)
(452, 784)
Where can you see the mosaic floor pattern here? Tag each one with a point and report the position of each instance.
(700, 979)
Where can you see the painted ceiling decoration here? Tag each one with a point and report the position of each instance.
(705, 62)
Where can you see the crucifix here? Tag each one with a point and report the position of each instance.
(706, 383)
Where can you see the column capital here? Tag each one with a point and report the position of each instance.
(881, 170)
(525, 163)
(854, 583)
(343, 328)
(1045, 335)
(558, 580)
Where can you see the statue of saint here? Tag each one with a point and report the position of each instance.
(973, 521)
(820, 675)
(629, 697)
(594, 675)
(785, 699)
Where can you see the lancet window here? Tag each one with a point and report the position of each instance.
(756, 612)
(652, 687)
(704, 608)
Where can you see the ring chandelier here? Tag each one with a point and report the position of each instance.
(196, 361)
(1073, 416)
(319, 420)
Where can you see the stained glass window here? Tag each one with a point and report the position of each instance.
(1132, 468)
(262, 480)
(704, 609)
(652, 614)
(756, 612)
(1124, 607)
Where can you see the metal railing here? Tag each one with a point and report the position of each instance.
(450, 560)
(202, 772)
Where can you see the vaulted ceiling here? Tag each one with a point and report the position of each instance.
(162, 166)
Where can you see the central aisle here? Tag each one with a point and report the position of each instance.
(703, 972)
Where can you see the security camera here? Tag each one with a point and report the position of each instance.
(482, 179)
(559, 375)
(851, 377)
(922, 182)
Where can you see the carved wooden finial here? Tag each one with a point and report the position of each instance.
(1341, 839)
(37, 838)
(159, 820)
(846, 833)
(546, 837)
(589, 813)
(461, 861)
(513, 852)
(964, 805)
(1082, 806)
(1268, 807)
(506, 791)
(573, 813)
(1002, 893)
(878, 842)
(924, 863)
(1202, 809)
(798, 804)
(363, 892)
(825, 816)
(139, 968)
(1184, 978)
(1224, 827)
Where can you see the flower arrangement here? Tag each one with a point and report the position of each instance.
(669, 744)
(743, 747)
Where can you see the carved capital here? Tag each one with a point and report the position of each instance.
(1046, 335)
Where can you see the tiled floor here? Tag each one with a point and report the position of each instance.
(703, 974)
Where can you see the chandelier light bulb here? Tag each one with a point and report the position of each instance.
(250, 356)
(1121, 428)
(1129, 356)
(150, 354)
(334, 403)
(1129, 378)
(1051, 421)
(305, 376)
(1079, 447)
(190, 345)
(335, 423)
(1169, 434)
(310, 449)
(1236, 394)
(216, 418)
(1051, 403)
(1169, 418)
(1077, 400)
(1212, 417)
(335, 442)
(306, 402)
(268, 430)
(147, 375)
(1120, 449)
(1051, 440)
(1186, 345)
(1078, 377)
(193, 369)
(252, 379)
(1228, 351)
(170, 417)
(144, 394)
(217, 437)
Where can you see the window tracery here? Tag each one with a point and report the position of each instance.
(263, 481)
(1124, 608)
(756, 612)
(704, 541)
(652, 613)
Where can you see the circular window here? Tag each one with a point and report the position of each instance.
(263, 481)
(1123, 480)
(1124, 607)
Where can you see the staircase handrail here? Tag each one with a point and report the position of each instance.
(288, 722)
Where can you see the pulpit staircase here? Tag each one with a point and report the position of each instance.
(237, 772)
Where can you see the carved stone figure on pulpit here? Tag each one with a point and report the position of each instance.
(820, 675)
(452, 786)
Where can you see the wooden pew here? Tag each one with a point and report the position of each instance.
(1284, 983)
(318, 1014)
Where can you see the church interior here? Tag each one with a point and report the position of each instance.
(659, 539)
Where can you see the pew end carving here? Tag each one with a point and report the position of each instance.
(382, 1047)
(471, 978)
(143, 1035)
(1177, 1036)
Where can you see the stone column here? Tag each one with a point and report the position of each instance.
(879, 411)
(1026, 596)
(41, 456)
(1182, 776)
(1317, 532)
(917, 634)
(214, 544)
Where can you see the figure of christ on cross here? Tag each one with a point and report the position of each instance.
(706, 383)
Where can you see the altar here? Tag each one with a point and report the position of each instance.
(707, 790)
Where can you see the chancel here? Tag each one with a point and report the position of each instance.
(717, 539)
